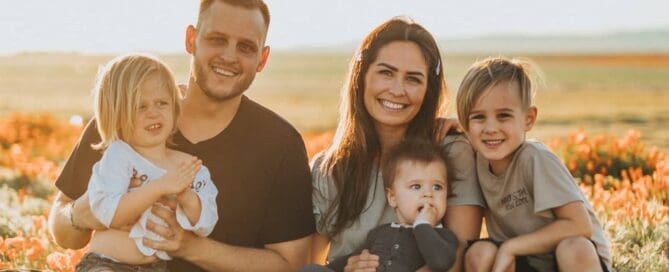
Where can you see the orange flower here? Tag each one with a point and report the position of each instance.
(58, 261)
(35, 249)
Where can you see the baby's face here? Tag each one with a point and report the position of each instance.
(418, 184)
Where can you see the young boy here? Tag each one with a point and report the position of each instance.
(537, 218)
(415, 180)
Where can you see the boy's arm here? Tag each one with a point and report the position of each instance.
(437, 246)
(571, 220)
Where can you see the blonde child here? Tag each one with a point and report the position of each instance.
(537, 218)
(416, 185)
(136, 108)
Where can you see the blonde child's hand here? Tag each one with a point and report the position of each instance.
(176, 181)
(429, 214)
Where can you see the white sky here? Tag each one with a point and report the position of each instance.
(96, 26)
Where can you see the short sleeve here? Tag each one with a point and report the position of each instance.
(461, 165)
(109, 181)
(206, 192)
(553, 185)
(74, 177)
(289, 209)
(321, 196)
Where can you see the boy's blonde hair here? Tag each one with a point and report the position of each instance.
(117, 94)
(487, 73)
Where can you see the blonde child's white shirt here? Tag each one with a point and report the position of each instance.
(520, 201)
(110, 181)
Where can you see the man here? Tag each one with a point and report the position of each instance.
(256, 159)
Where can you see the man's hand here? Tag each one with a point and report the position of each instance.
(175, 237)
(362, 263)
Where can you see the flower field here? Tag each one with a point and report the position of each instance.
(626, 182)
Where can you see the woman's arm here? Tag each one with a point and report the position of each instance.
(465, 222)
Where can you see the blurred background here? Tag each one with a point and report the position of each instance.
(603, 105)
(605, 63)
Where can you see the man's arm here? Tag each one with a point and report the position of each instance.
(62, 227)
(284, 256)
(465, 222)
(320, 245)
(206, 253)
(72, 182)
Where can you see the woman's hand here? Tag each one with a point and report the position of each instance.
(443, 126)
(362, 263)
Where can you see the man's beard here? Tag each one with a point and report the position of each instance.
(201, 80)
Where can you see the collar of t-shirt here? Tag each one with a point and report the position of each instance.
(416, 223)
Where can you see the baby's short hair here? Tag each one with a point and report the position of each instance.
(412, 150)
(487, 73)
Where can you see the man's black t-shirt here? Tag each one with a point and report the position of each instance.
(259, 165)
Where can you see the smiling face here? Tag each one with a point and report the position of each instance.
(395, 84)
(497, 124)
(227, 49)
(415, 184)
(154, 116)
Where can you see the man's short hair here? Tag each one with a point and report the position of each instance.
(248, 4)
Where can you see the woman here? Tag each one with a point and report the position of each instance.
(394, 91)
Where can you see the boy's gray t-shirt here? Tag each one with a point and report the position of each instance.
(520, 201)
(461, 175)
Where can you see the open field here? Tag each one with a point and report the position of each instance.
(625, 179)
(600, 93)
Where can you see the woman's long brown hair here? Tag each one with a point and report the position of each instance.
(350, 159)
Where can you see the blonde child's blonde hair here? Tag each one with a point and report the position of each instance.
(487, 73)
(117, 94)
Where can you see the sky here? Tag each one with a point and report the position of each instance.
(158, 26)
